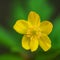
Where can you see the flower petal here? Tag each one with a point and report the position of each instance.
(45, 42)
(25, 43)
(46, 27)
(33, 44)
(34, 18)
(21, 26)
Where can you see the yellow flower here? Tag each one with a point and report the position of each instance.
(35, 32)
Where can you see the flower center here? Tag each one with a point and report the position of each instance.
(33, 32)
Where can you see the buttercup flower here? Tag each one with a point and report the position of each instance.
(35, 32)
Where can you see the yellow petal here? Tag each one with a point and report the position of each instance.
(25, 43)
(46, 27)
(21, 26)
(33, 44)
(34, 18)
(45, 42)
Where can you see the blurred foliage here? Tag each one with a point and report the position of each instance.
(10, 57)
(8, 39)
(19, 9)
(55, 34)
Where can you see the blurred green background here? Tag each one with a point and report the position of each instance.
(10, 40)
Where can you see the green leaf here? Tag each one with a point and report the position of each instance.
(8, 39)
